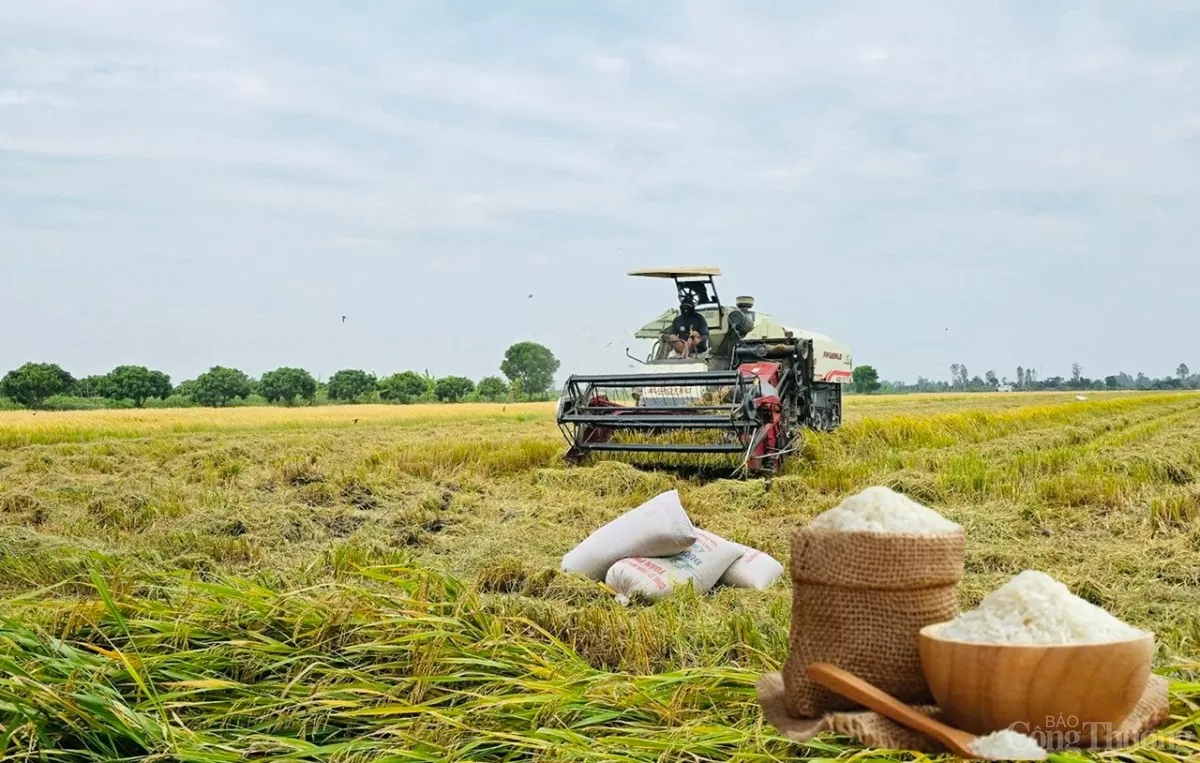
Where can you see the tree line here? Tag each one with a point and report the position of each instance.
(866, 380)
(528, 372)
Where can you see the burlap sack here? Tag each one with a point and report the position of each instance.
(874, 731)
(859, 601)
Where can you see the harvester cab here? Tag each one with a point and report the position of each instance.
(696, 287)
(741, 403)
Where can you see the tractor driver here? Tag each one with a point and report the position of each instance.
(689, 331)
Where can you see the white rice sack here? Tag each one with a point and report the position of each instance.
(754, 569)
(659, 527)
(702, 565)
(881, 509)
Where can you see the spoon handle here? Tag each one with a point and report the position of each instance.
(852, 687)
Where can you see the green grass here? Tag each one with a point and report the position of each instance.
(213, 586)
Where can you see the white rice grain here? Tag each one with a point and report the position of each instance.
(1034, 608)
(1007, 744)
(880, 509)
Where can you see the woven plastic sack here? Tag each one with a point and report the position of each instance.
(659, 527)
(859, 601)
(754, 569)
(655, 578)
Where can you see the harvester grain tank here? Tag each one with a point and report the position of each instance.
(743, 400)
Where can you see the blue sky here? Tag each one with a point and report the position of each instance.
(184, 184)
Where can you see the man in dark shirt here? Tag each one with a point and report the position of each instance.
(689, 330)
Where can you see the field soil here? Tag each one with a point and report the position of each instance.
(381, 582)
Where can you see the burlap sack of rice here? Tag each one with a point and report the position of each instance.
(859, 601)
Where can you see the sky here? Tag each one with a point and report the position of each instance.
(194, 183)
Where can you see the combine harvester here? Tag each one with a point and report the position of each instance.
(741, 402)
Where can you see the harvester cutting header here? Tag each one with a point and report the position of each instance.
(721, 384)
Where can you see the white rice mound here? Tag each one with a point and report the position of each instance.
(881, 509)
(1034, 608)
(1007, 744)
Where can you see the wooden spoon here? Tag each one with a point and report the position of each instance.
(854, 688)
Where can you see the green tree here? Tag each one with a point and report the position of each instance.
(531, 364)
(403, 387)
(492, 388)
(91, 386)
(992, 381)
(137, 383)
(32, 383)
(1076, 376)
(185, 388)
(865, 379)
(1182, 372)
(287, 384)
(451, 389)
(351, 384)
(219, 385)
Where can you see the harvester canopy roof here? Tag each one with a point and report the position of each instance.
(676, 272)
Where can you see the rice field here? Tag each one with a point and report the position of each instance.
(380, 582)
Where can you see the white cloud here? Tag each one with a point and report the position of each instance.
(873, 54)
(238, 85)
(815, 146)
(33, 99)
(610, 64)
(676, 59)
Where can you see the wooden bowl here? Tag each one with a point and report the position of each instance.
(1068, 691)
